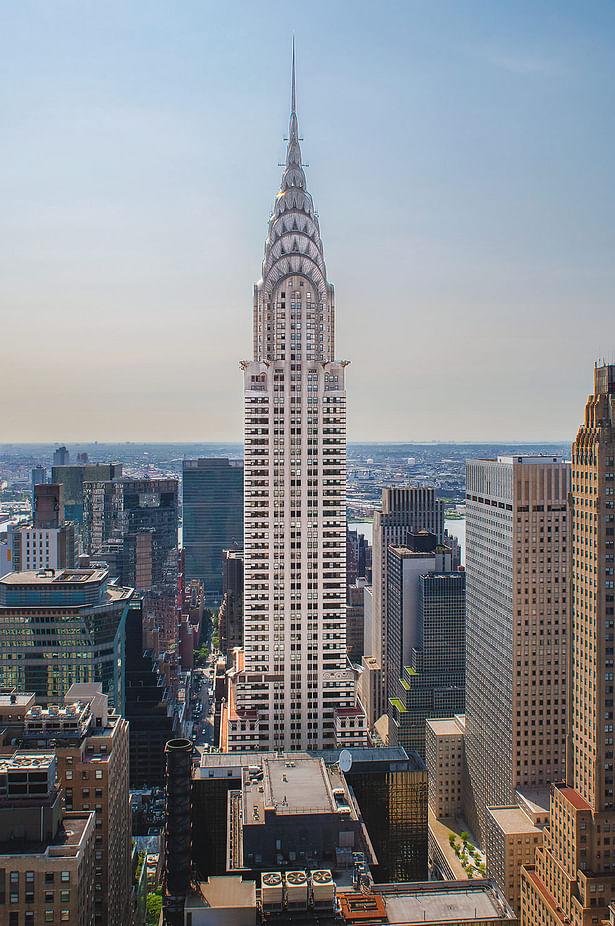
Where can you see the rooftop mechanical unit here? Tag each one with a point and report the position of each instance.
(272, 890)
(323, 889)
(296, 890)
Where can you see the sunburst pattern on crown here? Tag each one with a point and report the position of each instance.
(293, 242)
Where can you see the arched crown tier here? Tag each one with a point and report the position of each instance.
(293, 242)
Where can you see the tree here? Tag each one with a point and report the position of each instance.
(200, 655)
(153, 907)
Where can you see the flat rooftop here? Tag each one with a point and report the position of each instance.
(442, 904)
(293, 786)
(537, 800)
(223, 891)
(512, 821)
(22, 760)
(17, 699)
(68, 842)
(361, 756)
(55, 577)
(448, 726)
(297, 784)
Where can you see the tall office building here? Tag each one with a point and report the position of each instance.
(431, 682)
(48, 505)
(73, 477)
(292, 686)
(405, 564)
(516, 644)
(573, 880)
(57, 628)
(212, 511)
(117, 516)
(61, 456)
(403, 510)
(230, 616)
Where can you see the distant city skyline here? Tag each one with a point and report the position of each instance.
(460, 157)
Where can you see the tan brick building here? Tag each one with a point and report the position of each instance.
(573, 880)
(91, 759)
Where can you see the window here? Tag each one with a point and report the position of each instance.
(66, 876)
(49, 916)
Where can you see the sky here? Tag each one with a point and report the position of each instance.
(461, 161)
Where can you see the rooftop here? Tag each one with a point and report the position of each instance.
(224, 891)
(63, 587)
(447, 727)
(16, 699)
(55, 576)
(294, 786)
(68, 843)
(387, 904)
(573, 797)
(363, 756)
(24, 760)
(446, 901)
(512, 821)
(536, 800)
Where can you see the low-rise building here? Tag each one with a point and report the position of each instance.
(316, 897)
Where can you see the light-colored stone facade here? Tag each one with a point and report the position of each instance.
(516, 616)
(573, 879)
(292, 686)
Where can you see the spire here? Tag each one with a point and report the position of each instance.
(293, 107)
(293, 242)
(293, 152)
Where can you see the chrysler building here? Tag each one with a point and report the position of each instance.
(292, 686)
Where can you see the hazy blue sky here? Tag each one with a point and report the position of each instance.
(461, 159)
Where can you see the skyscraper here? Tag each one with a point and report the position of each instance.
(431, 681)
(292, 686)
(573, 880)
(58, 628)
(403, 509)
(212, 508)
(516, 647)
(73, 477)
(118, 513)
(494, 766)
(61, 456)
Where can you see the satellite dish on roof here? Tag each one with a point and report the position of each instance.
(345, 760)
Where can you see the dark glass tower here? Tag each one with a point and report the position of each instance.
(212, 497)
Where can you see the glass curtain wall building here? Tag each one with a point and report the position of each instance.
(212, 501)
(61, 627)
